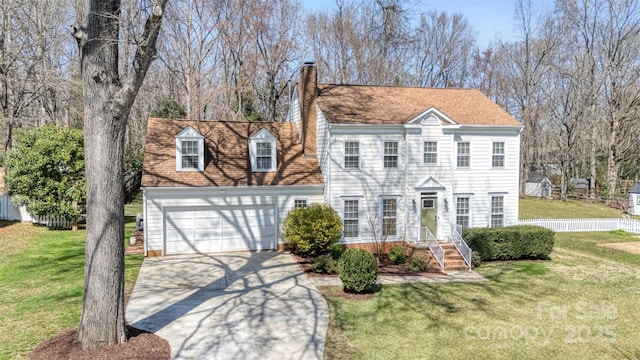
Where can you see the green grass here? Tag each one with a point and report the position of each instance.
(41, 284)
(532, 208)
(582, 304)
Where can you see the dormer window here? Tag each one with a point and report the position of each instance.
(189, 150)
(262, 148)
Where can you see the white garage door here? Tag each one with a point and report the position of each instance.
(214, 229)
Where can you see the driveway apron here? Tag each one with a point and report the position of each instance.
(240, 305)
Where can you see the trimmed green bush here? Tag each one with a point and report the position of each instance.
(396, 254)
(358, 270)
(336, 250)
(510, 243)
(476, 260)
(417, 264)
(324, 264)
(312, 231)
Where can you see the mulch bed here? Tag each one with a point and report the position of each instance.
(142, 345)
(385, 268)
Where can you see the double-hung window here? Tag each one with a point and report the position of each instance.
(462, 211)
(299, 203)
(390, 155)
(351, 155)
(497, 211)
(351, 218)
(389, 217)
(430, 153)
(189, 154)
(497, 158)
(263, 156)
(464, 154)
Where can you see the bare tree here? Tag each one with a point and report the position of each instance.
(108, 98)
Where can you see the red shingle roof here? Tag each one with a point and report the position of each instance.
(359, 104)
(226, 155)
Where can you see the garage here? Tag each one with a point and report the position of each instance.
(223, 228)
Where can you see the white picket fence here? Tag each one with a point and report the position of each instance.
(585, 225)
(53, 221)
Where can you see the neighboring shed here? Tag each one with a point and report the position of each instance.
(634, 200)
(539, 186)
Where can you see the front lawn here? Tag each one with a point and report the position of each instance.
(41, 284)
(583, 304)
(534, 208)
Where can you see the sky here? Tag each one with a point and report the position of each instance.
(490, 19)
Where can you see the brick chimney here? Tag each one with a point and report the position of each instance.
(308, 95)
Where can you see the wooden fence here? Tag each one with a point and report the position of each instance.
(585, 225)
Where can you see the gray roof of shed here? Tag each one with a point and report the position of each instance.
(635, 189)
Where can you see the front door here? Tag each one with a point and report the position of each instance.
(429, 213)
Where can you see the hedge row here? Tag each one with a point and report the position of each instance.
(509, 243)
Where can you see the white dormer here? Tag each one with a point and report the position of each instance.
(189, 150)
(262, 149)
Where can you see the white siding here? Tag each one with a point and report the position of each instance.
(280, 198)
(371, 181)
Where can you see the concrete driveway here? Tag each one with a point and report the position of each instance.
(241, 305)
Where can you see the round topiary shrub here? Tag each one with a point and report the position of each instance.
(358, 270)
(396, 254)
(312, 231)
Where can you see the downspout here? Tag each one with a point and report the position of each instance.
(328, 164)
(144, 220)
(405, 184)
(452, 203)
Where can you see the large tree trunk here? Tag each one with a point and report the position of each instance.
(102, 322)
(107, 103)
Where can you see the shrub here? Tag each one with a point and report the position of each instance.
(336, 250)
(476, 260)
(396, 254)
(510, 243)
(324, 264)
(358, 270)
(312, 231)
(417, 264)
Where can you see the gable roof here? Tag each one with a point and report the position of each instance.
(360, 104)
(226, 155)
(635, 189)
(537, 179)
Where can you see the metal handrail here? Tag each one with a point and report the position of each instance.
(433, 245)
(463, 249)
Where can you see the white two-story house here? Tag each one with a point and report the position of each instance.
(399, 163)
(409, 162)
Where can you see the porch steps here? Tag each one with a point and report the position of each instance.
(452, 259)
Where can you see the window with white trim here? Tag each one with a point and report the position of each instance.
(497, 158)
(497, 211)
(262, 150)
(390, 155)
(430, 153)
(263, 156)
(462, 211)
(464, 154)
(389, 217)
(351, 218)
(351, 155)
(299, 203)
(189, 150)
